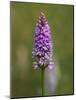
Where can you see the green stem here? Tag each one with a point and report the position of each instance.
(42, 83)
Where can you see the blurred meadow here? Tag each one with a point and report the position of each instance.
(25, 81)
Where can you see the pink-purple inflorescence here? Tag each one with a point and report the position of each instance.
(42, 51)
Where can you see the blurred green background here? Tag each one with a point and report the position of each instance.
(25, 81)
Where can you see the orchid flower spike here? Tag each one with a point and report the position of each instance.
(43, 46)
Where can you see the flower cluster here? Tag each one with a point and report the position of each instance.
(42, 51)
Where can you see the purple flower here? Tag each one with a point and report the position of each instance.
(42, 51)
